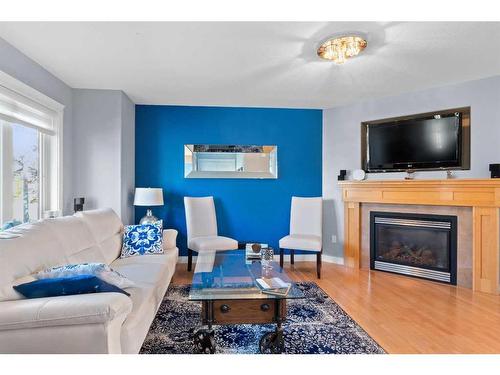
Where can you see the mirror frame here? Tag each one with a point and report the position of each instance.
(189, 150)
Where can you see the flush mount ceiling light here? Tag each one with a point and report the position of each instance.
(340, 49)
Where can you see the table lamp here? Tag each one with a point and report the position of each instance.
(148, 197)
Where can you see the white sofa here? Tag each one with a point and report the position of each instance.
(90, 323)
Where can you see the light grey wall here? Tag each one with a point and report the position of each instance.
(103, 157)
(19, 66)
(127, 159)
(342, 139)
(96, 148)
(99, 136)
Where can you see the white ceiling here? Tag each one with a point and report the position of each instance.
(270, 64)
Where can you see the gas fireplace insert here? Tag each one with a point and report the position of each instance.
(418, 245)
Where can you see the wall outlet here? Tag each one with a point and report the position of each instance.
(334, 238)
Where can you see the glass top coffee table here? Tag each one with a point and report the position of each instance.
(226, 284)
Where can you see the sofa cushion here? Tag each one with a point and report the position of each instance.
(61, 311)
(146, 270)
(301, 242)
(107, 229)
(75, 238)
(152, 275)
(208, 243)
(44, 244)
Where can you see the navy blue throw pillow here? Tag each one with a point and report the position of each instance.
(65, 286)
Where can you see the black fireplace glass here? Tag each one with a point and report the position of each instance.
(413, 246)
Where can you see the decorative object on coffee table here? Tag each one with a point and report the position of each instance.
(256, 247)
(148, 197)
(253, 250)
(267, 257)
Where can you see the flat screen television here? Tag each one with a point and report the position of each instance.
(420, 142)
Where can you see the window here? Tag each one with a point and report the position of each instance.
(30, 149)
(20, 173)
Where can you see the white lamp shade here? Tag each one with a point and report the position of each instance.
(148, 197)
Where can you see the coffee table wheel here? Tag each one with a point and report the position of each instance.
(204, 341)
(272, 343)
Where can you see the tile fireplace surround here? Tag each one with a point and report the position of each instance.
(475, 203)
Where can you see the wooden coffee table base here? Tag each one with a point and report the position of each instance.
(242, 311)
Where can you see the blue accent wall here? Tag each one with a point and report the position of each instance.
(247, 209)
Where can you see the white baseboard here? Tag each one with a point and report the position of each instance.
(333, 259)
(298, 258)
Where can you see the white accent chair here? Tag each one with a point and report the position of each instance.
(306, 228)
(201, 223)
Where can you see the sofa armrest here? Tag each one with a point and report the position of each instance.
(92, 308)
(169, 239)
(85, 323)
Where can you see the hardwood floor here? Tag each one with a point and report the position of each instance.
(405, 315)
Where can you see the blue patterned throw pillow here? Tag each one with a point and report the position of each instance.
(142, 239)
(101, 270)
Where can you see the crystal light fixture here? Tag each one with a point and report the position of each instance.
(340, 49)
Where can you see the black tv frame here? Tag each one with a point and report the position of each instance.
(464, 162)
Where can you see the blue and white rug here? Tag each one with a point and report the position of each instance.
(314, 325)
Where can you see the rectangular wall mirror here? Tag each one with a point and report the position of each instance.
(230, 161)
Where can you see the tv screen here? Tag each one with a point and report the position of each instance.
(425, 143)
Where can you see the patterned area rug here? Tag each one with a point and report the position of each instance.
(314, 325)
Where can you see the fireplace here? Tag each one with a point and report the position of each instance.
(417, 245)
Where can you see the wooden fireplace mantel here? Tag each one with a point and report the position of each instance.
(483, 195)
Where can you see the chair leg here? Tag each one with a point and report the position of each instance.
(190, 259)
(282, 255)
(292, 256)
(318, 264)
